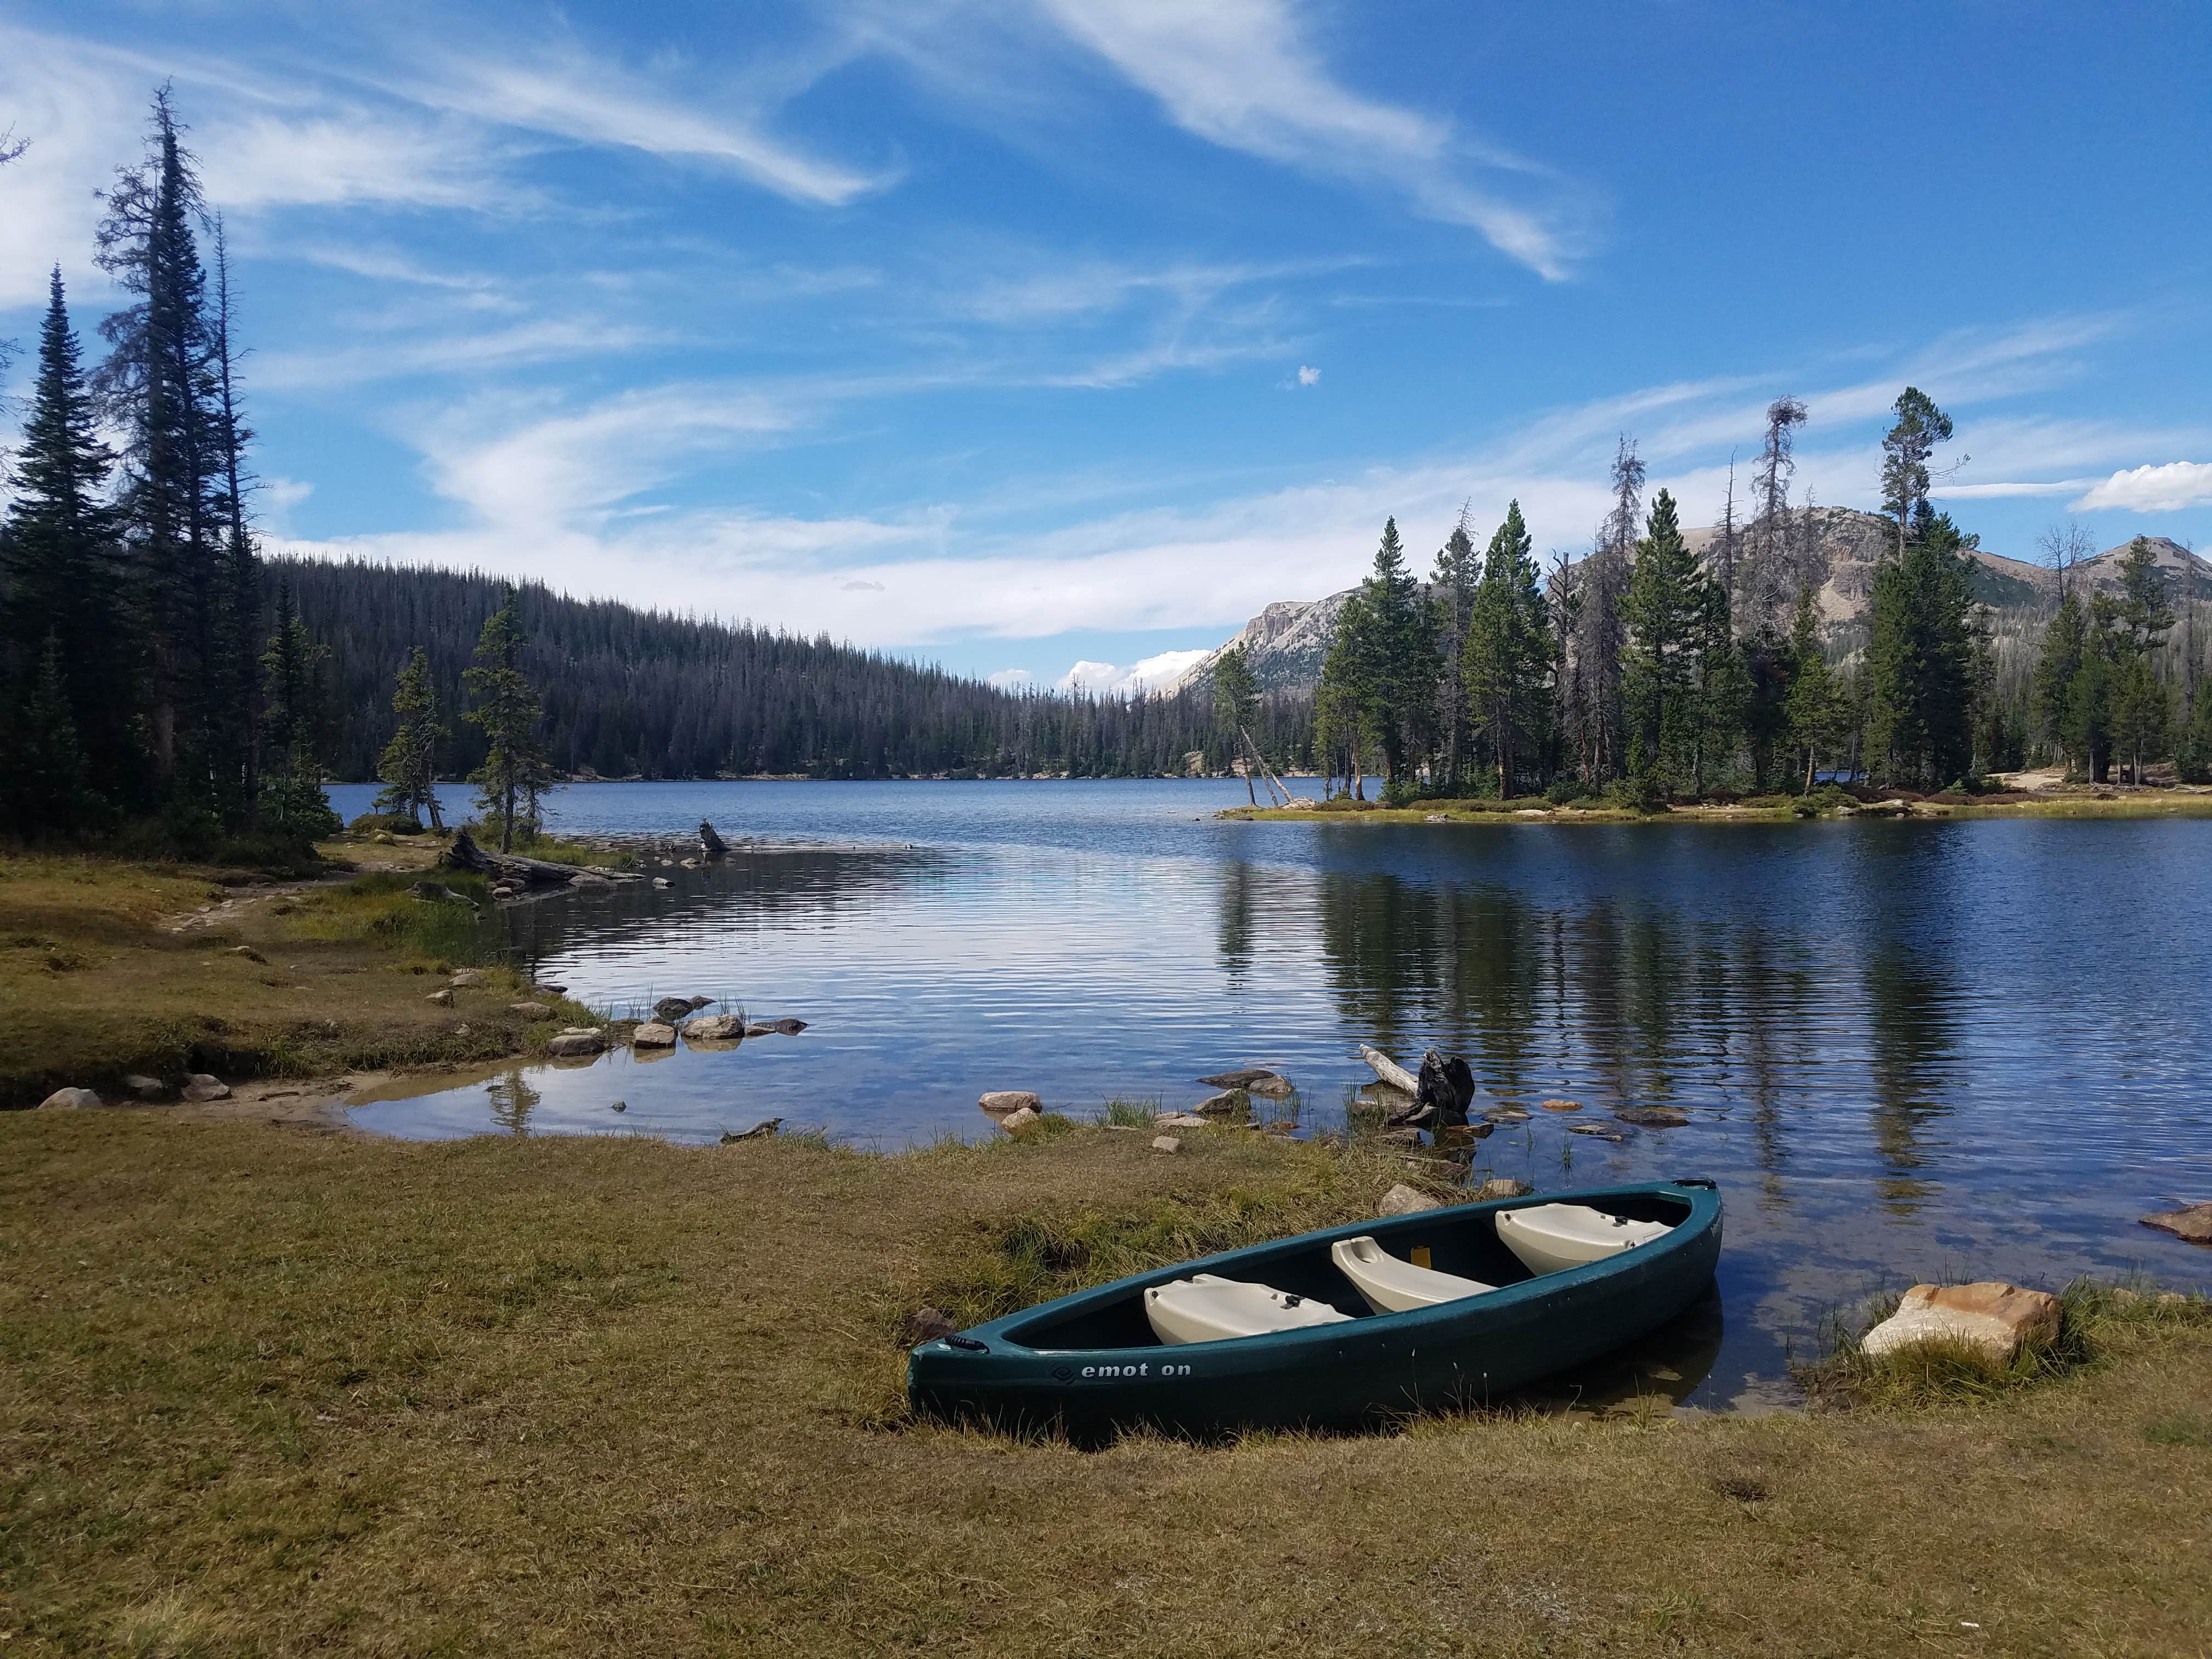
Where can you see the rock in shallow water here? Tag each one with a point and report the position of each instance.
(576, 1045)
(1992, 1317)
(1499, 1187)
(999, 1103)
(715, 1028)
(2191, 1221)
(1653, 1117)
(672, 1009)
(653, 1034)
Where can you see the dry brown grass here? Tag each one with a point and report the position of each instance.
(262, 1392)
(97, 981)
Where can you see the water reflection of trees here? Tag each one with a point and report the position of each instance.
(513, 1100)
(1632, 1002)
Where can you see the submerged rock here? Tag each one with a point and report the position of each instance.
(1402, 1200)
(1499, 1187)
(1990, 1317)
(619, 1106)
(1506, 1114)
(672, 1009)
(653, 1034)
(1652, 1117)
(1560, 1105)
(576, 1045)
(999, 1103)
(199, 1086)
(1600, 1131)
(786, 1026)
(2193, 1222)
(70, 1100)
(1247, 1078)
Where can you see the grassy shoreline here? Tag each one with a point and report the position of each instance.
(271, 1392)
(2119, 802)
(110, 968)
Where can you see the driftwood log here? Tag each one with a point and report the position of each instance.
(466, 854)
(711, 846)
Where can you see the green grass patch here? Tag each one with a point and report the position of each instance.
(382, 906)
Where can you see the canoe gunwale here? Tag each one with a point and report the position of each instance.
(1700, 1193)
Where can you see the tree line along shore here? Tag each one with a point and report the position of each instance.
(1647, 673)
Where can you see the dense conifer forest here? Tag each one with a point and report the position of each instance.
(630, 693)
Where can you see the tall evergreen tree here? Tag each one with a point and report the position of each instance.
(1814, 703)
(1905, 448)
(515, 772)
(1508, 661)
(1920, 657)
(234, 680)
(1236, 695)
(293, 802)
(1459, 569)
(157, 385)
(1388, 660)
(408, 765)
(61, 563)
(46, 795)
(1667, 612)
(1595, 667)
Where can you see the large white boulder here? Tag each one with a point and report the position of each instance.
(70, 1100)
(999, 1103)
(1402, 1200)
(1990, 1317)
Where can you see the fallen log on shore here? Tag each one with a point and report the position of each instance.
(466, 854)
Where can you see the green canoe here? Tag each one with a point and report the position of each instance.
(1091, 1362)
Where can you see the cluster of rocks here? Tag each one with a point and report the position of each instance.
(197, 1088)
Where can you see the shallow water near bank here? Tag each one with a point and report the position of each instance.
(1907, 1049)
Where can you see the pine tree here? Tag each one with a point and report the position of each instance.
(1814, 703)
(1459, 569)
(1595, 666)
(1389, 660)
(2193, 757)
(1905, 448)
(293, 802)
(2142, 714)
(2065, 646)
(61, 562)
(1919, 657)
(515, 773)
(408, 765)
(1508, 663)
(47, 796)
(157, 385)
(1667, 612)
(234, 679)
(1234, 697)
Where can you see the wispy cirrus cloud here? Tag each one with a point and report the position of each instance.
(1243, 74)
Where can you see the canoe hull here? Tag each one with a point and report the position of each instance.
(1370, 1369)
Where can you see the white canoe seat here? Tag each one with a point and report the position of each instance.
(1548, 1238)
(1391, 1286)
(1206, 1308)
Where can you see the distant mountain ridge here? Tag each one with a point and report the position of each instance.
(1287, 641)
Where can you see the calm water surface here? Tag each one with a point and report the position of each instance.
(1907, 1049)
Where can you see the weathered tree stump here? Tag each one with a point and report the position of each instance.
(711, 846)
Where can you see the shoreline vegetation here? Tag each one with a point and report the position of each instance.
(274, 1390)
(2074, 801)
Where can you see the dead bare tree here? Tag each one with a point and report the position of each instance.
(1768, 587)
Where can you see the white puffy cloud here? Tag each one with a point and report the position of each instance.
(1152, 674)
(2168, 488)
(1011, 679)
(1309, 375)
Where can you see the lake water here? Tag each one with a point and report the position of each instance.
(1908, 1049)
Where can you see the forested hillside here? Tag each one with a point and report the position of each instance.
(630, 693)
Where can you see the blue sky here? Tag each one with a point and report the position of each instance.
(1026, 334)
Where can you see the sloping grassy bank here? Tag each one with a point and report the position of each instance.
(270, 1392)
(109, 967)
